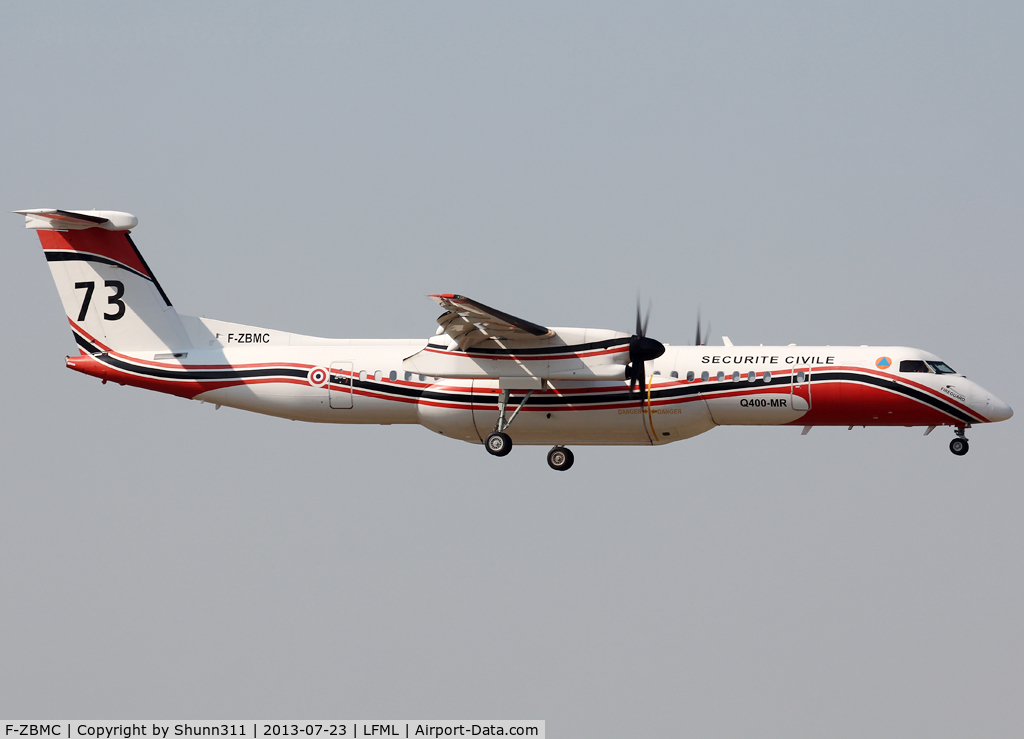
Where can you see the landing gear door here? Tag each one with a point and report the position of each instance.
(340, 385)
(800, 389)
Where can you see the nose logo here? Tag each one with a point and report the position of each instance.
(951, 392)
(883, 363)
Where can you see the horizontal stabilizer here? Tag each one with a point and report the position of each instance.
(52, 219)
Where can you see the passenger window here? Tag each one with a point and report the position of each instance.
(392, 375)
(377, 375)
(913, 365)
(362, 375)
(704, 376)
(674, 374)
(422, 378)
(721, 376)
(408, 376)
(736, 376)
(800, 376)
(751, 376)
(767, 377)
(689, 376)
(657, 372)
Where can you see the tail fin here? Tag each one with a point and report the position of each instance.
(110, 295)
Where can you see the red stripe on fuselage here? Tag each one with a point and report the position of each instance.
(855, 404)
(833, 402)
(182, 388)
(924, 388)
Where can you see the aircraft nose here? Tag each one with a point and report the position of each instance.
(999, 411)
(987, 405)
(990, 407)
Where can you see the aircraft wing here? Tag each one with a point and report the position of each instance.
(470, 323)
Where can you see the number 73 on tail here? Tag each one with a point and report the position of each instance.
(485, 376)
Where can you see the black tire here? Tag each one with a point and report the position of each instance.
(498, 444)
(959, 447)
(560, 458)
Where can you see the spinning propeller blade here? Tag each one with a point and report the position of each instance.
(707, 332)
(641, 349)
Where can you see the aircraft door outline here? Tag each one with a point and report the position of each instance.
(800, 389)
(339, 392)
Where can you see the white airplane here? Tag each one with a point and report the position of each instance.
(486, 376)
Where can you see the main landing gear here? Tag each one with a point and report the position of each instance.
(959, 445)
(499, 443)
(560, 458)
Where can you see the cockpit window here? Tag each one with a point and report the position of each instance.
(942, 368)
(914, 365)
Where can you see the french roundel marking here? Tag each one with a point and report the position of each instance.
(318, 377)
(883, 363)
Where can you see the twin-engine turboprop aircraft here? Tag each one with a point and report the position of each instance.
(486, 376)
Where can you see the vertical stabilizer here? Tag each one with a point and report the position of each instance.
(111, 297)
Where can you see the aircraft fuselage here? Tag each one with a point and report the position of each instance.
(690, 389)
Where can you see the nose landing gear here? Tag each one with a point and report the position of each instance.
(959, 445)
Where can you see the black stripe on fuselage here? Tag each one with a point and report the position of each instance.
(228, 373)
(194, 375)
(690, 390)
(600, 396)
(884, 383)
(911, 392)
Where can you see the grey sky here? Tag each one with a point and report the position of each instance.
(834, 173)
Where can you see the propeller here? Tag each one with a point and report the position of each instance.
(641, 349)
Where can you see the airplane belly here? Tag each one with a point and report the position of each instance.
(446, 408)
(540, 426)
(679, 420)
(571, 413)
(881, 406)
(306, 403)
(285, 401)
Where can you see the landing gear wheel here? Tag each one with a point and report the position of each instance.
(560, 458)
(959, 447)
(498, 444)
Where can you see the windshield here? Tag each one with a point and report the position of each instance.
(942, 368)
(913, 365)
